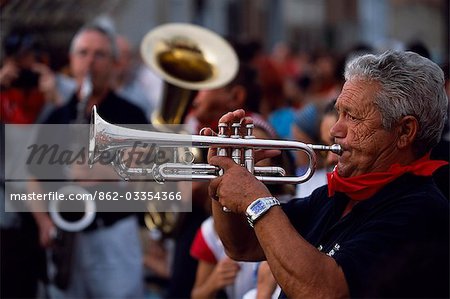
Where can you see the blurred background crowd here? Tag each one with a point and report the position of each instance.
(292, 55)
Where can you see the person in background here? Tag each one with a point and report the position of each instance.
(329, 118)
(208, 105)
(266, 285)
(26, 80)
(107, 254)
(380, 226)
(315, 122)
(273, 105)
(243, 91)
(323, 82)
(25, 88)
(216, 272)
(306, 129)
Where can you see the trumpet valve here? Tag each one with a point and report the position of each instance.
(249, 161)
(236, 152)
(222, 133)
(236, 127)
(249, 128)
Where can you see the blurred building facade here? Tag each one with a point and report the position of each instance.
(306, 24)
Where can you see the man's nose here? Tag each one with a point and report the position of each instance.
(338, 130)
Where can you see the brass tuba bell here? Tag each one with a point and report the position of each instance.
(188, 58)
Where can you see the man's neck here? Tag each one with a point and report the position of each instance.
(402, 157)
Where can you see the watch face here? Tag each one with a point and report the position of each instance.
(258, 207)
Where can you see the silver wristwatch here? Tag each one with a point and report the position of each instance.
(259, 207)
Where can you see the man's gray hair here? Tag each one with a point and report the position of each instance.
(101, 29)
(410, 85)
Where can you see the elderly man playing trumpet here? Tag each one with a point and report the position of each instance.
(380, 228)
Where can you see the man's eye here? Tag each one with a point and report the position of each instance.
(81, 53)
(351, 117)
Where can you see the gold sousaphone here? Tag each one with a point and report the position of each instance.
(188, 58)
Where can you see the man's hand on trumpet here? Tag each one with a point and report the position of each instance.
(237, 187)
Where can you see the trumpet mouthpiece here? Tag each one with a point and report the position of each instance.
(335, 148)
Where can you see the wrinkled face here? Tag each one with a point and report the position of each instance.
(210, 105)
(92, 54)
(367, 146)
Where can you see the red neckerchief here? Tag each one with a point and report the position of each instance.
(364, 186)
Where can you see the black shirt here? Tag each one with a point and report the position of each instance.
(395, 244)
(113, 109)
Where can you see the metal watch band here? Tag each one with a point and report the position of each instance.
(259, 207)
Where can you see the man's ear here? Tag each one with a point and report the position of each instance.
(407, 131)
(238, 96)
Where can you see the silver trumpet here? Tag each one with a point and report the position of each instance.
(112, 139)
